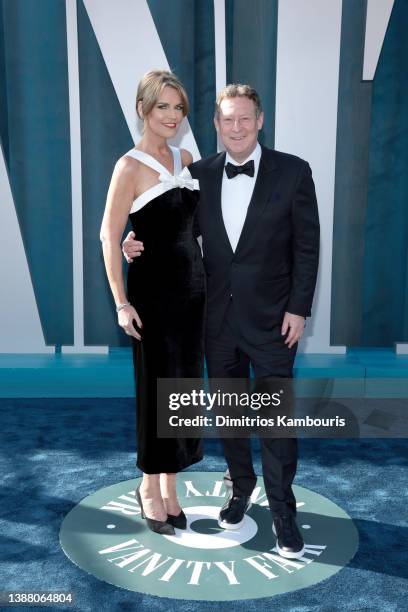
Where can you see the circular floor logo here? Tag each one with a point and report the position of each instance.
(105, 535)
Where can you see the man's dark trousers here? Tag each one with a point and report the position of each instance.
(229, 355)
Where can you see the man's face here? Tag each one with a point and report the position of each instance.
(238, 126)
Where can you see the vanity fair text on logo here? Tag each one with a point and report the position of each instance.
(105, 535)
(132, 556)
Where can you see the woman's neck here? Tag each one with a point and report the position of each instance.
(153, 144)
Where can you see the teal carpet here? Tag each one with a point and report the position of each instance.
(54, 452)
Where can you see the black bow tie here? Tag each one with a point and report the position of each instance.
(248, 168)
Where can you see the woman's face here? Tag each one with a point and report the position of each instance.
(166, 115)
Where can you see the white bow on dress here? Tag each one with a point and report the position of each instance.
(184, 179)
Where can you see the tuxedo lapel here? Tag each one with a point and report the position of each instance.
(260, 195)
(215, 173)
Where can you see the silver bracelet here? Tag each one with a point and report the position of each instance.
(120, 306)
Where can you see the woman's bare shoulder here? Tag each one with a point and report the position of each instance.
(186, 157)
(127, 170)
(127, 164)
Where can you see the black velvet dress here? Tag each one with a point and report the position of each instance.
(166, 285)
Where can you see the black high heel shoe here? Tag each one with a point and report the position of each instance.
(162, 527)
(179, 520)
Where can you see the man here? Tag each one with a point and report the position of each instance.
(259, 224)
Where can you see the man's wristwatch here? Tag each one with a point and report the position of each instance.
(120, 306)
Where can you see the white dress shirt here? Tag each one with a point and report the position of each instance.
(236, 195)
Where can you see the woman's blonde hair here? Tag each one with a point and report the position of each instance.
(151, 86)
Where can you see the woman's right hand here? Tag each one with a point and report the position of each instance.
(126, 315)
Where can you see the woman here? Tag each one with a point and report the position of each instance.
(163, 311)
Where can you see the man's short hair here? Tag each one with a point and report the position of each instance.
(238, 90)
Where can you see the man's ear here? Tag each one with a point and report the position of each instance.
(216, 123)
(140, 109)
(260, 121)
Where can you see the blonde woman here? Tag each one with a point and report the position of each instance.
(163, 308)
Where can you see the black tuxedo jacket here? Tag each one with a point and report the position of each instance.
(274, 267)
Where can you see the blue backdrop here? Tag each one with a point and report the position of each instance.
(370, 279)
